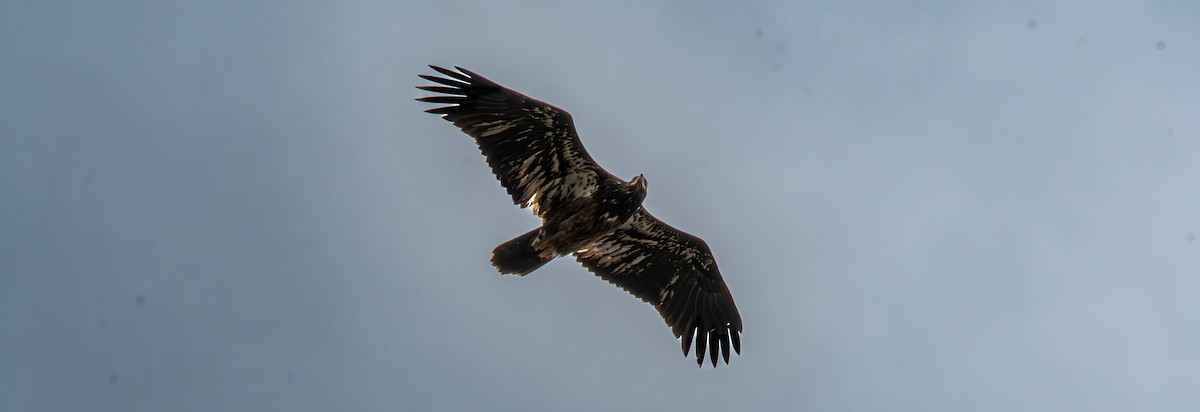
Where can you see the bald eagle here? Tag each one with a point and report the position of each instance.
(588, 212)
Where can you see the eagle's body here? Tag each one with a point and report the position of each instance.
(536, 154)
(573, 226)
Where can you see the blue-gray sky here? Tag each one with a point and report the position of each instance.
(921, 206)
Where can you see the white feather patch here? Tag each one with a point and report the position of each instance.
(498, 126)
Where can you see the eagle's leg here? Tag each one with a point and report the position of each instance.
(518, 255)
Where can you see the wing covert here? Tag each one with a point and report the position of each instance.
(531, 146)
(677, 274)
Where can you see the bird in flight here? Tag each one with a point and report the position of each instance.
(533, 149)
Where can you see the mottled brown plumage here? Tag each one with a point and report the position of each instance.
(533, 149)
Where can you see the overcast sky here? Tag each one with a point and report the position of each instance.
(924, 206)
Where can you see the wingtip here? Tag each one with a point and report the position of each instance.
(711, 346)
(438, 69)
(452, 74)
(736, 337)
(712, 355)
(466, 72)
(685, 339)
(725, 350)
(442, 99)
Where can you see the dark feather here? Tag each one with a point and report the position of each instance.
(675, 272)
(534, 151)
(440, 89)
(444, 81)
(443, 99)
(531, 146)
(451, 73)
(685, 337)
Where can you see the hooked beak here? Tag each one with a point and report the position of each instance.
(639, 181)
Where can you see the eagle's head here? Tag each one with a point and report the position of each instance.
(638, 184)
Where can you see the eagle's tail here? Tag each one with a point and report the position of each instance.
(518, 256)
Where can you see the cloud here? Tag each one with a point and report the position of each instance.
(919, 206)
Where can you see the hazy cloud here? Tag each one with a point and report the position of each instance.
(925, 206)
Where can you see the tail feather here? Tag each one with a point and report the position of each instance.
(518, 256)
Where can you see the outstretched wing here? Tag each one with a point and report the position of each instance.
(531, 146)
(675, 272)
